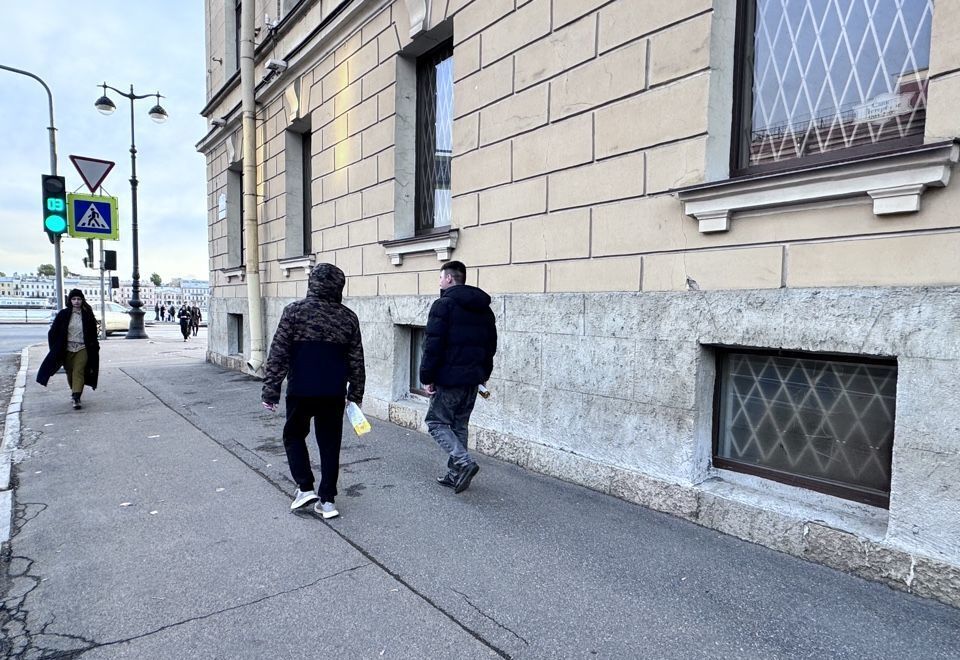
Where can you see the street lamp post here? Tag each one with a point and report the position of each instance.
(159, 115)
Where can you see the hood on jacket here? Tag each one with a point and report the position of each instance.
(326, 283)
(467, 296)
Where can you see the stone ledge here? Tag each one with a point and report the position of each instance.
(409, 414)
(895, 183)
(305, 263)
(238, 272)
(442, 243)
(233, 362)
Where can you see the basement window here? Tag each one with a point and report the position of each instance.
(235, 334)
(817, 421)
(417, 335)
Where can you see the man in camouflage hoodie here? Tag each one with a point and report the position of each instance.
(318, 349)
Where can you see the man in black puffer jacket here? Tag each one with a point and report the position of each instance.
(458, 350)
(318, 349)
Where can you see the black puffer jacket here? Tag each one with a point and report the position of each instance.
(461, 338)
(317, 346)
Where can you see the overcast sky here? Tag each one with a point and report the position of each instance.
(74, 45)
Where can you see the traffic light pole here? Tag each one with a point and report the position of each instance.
(103, 304)
(57, 259)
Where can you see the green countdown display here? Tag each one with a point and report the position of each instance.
(54, 205)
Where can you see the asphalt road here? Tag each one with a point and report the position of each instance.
(155, 523)
(13, 337)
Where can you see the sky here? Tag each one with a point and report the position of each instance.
(74, 45)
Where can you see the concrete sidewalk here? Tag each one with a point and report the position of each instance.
(155, 523)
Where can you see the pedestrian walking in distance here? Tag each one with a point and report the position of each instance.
(156, 312)
(74, 344)
(171, 313)
(458, 348)
(317, 347)
(185, 319)
(195, 318)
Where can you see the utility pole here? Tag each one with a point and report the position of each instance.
(57, 258)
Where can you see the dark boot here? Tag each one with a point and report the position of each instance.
(449, 479)
(76, 401)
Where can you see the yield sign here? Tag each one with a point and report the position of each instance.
(92, 170)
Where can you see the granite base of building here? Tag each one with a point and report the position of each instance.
(615, 392)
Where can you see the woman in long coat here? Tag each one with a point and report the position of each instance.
(74, 344)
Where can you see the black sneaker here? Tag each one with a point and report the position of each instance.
(465, 476)
(449, 479)
(76, 403)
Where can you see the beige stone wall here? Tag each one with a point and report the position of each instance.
(607, 111)
(573, 121)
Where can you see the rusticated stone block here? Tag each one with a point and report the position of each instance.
(654, 494)
(569, 467)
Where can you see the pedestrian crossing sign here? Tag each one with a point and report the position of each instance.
(92, 216)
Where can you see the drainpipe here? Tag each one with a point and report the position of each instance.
(251, 233)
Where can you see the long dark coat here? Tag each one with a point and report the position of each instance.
(57, 340)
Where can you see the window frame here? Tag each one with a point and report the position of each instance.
(298, 182)
(235, 220)
(837, 490)
(424, 209)
(416, 330)
(741, 115)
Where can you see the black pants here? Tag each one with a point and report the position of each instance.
(327, 415)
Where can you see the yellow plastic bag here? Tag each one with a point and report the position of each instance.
(357, 419)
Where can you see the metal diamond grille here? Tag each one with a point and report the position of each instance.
(826, 421)
(434, 138)
(836, 74)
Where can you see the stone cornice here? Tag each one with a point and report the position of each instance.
(443, 243)
(895, 183)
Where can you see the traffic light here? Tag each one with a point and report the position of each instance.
(88, 260)
(109, 259)
(54, 205)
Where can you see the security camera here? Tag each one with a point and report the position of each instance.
(277, 66)
(219, 122)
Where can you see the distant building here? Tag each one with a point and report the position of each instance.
(42, 288)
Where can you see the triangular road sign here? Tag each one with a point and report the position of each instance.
(92, 170)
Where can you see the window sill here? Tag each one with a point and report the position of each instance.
(798, 503)
(305, 263)
(443, 243)
(894, 182)
(240, 272)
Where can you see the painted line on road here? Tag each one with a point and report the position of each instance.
(11, 440)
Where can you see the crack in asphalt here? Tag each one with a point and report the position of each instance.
(18, 641)
(487, 616)
(232, 608)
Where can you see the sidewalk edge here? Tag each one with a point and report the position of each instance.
(10, 442)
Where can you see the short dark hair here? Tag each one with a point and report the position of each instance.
(457, 271)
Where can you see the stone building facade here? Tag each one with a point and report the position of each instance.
(721, 239)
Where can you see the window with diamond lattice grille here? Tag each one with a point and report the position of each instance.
(822, 423)
(823, 80)
(434, 138)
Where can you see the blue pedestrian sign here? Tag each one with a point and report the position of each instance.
(92, 216)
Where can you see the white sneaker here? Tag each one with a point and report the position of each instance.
(326, 509)
(301, 498)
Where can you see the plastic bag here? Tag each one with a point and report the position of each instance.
(357, 419)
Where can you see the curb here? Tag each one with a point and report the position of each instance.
(11, 440)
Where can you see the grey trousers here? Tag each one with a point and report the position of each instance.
(448, 418)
